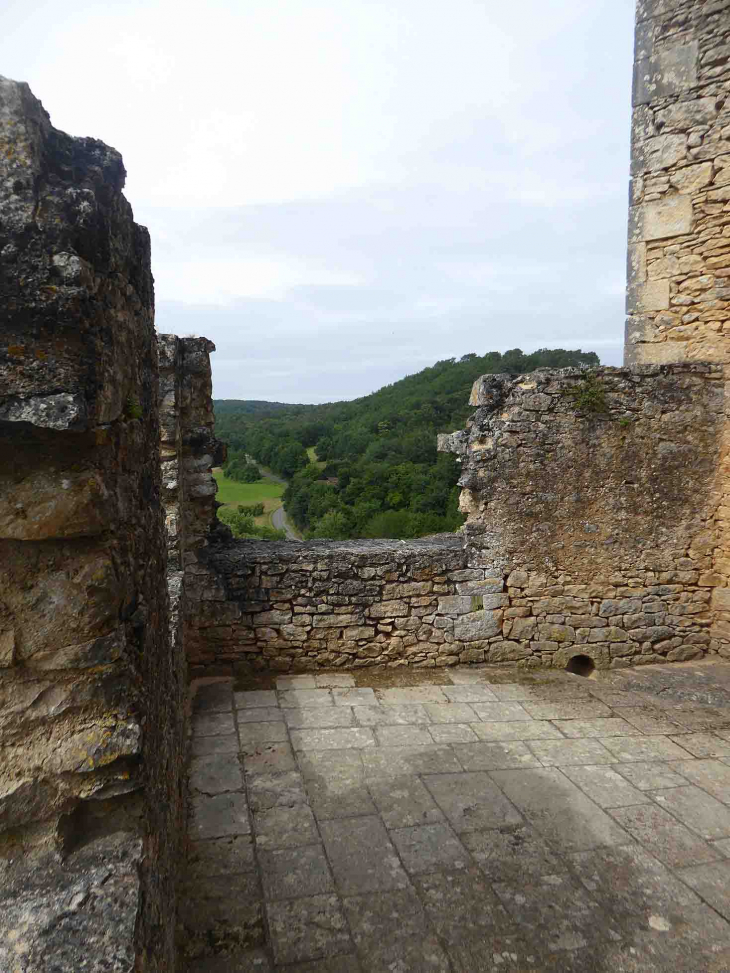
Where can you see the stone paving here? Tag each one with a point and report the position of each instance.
(485, 820)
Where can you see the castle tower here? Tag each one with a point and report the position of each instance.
(678, 291)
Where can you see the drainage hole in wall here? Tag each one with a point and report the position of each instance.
(581, 665)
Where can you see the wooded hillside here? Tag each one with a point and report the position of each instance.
(378, 474)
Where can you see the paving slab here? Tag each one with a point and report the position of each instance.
(354, 697)
(290, 873)
(703, 744)
(644, 748)
(335, 797)
(299, 698)
(362, 856)
(298, 681)
(393, 934)
(723, 846)
(307, 929)
(517, 730)
(471, 801)
(346, 738)
(344, 764)
(588, 709)
(415, 735)
(645, 898)
(403, 802)
(697, 809)
(712, 882)
(495, 756)
(520, 850)
(220, 856)
(461, 904)
(225, 914)
(469, 694)
(276, 790)
(255, 698)
(260, 714)
(429, 847)
(412, 694)
(213, 724)
(557, 912)
(452, 733)
(604, 786)
(217, 773)
(267, 758)
(556, 753)
(711, 775)
(500, 712)
(602, 727)
(390, 714)
(662, 835)
(213, 697)
(451, 713)
(227, 743)
(285, 827)
(262, 732)
(648, 721)
(215, 817)
(557, 808)
(320, 717)
(402, 761)
(650, 775)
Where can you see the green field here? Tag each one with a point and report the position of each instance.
(262, 491)
(311, 453)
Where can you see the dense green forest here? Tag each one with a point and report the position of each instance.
(378, 473)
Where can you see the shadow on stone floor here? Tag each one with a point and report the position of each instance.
(475, 824)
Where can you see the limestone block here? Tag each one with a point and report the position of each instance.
(668, 72)
(386, 609)
(523, 628)
(664, 151)
(691, 179)
(508, 652)
(720, 600)
(650, 296)
(636, 262)
(687, 114)
(666, 218)
(455, 605)
(477, 625)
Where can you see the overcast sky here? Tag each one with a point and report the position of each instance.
(341, 192)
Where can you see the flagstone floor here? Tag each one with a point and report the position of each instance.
(484, 820)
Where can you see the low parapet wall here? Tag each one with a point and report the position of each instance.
(595, 527)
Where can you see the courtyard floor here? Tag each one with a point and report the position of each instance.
(473, 819)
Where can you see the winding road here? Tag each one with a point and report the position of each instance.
(279, 520)
(278, 517)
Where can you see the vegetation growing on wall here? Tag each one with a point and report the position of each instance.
(382, 476)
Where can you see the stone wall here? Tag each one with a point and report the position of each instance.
(595, 495)
(679, 219)
(289, 606)
(91, 685)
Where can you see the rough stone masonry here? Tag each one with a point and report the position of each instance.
(679, 216)
(92, 680)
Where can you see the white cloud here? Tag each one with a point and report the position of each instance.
(343, 191)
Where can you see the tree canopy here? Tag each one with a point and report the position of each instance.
(377, 472)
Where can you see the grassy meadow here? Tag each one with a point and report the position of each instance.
(231, 493)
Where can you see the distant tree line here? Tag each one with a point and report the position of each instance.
(382, 476)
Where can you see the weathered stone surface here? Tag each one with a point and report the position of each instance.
(96, 745)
